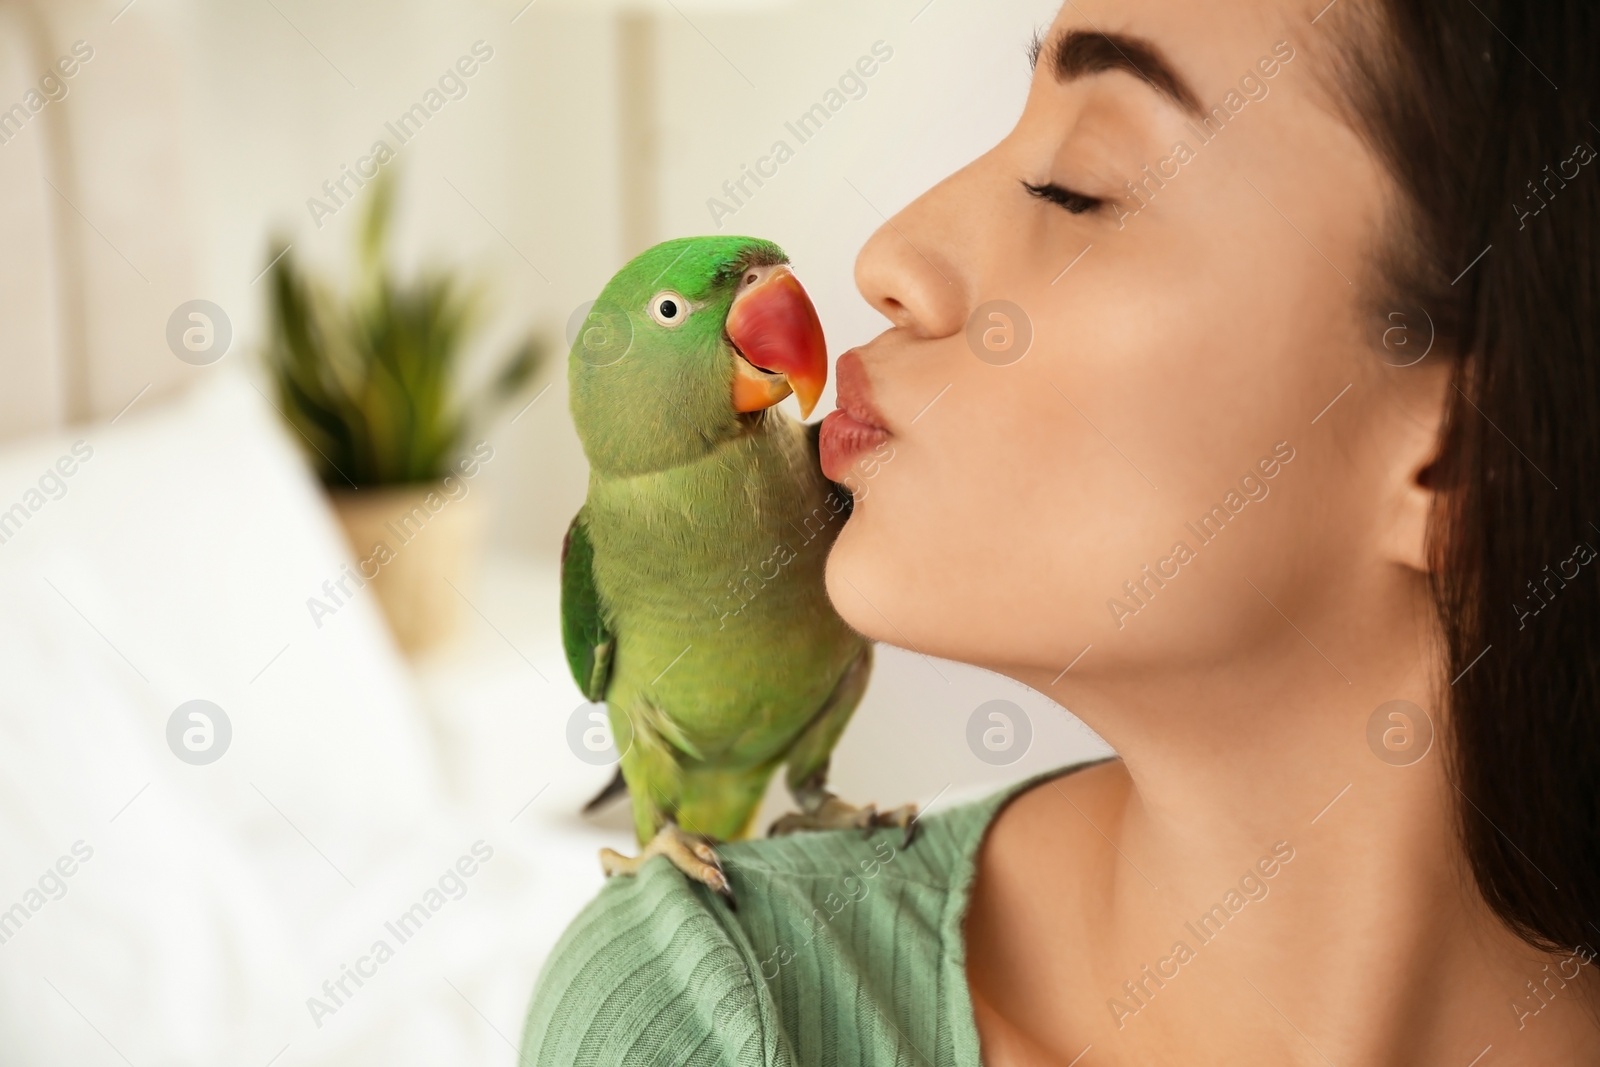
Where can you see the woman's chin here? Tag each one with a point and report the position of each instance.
(851, 572)
(874, 587)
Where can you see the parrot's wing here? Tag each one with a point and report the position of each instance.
(584, 635)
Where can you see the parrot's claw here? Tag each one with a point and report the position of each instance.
(690, 853)
(831, 813)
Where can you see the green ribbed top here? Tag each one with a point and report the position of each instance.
(844, 950)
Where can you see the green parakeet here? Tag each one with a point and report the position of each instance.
(692, 594)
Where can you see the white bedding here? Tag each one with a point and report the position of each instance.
(206, 905)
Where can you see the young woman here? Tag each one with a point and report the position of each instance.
(1286, 480)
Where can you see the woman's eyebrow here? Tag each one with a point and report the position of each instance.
(1079, 53)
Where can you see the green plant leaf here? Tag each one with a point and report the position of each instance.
(369, 379)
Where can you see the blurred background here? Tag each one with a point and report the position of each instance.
(236, 749)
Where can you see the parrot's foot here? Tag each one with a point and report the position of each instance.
(825, 811)
(690, 853)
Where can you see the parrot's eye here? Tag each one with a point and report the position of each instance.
(669, 308)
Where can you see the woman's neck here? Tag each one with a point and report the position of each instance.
(1269, 866)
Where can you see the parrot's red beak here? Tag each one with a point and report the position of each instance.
(779, 337)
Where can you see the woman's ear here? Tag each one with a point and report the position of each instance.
(1421, 397)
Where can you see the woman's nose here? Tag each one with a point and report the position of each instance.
(910, 268)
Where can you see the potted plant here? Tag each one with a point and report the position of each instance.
(370, 381)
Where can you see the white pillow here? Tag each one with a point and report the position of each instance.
(206, 904)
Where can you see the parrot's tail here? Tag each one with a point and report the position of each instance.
(614, 790)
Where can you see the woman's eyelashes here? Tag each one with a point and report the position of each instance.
(1061, 196)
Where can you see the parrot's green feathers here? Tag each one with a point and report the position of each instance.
(584, 635)
(698, 267)
(693, 592)
(648, 395)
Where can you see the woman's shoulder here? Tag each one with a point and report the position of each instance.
(838, 940)
(648, 972)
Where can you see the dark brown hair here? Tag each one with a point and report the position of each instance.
(1481, 110)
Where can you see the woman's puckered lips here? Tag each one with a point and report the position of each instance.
(855, 425)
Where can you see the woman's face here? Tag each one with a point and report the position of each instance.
(1160, 475)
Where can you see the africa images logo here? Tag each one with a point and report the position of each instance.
(341, 189)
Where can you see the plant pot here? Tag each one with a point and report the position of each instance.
(411, 543)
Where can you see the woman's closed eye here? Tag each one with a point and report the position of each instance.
(1061, 196)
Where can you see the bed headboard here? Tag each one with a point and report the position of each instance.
(32, 361)
(95, 213)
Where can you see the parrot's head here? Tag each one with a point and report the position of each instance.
(688, 346)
